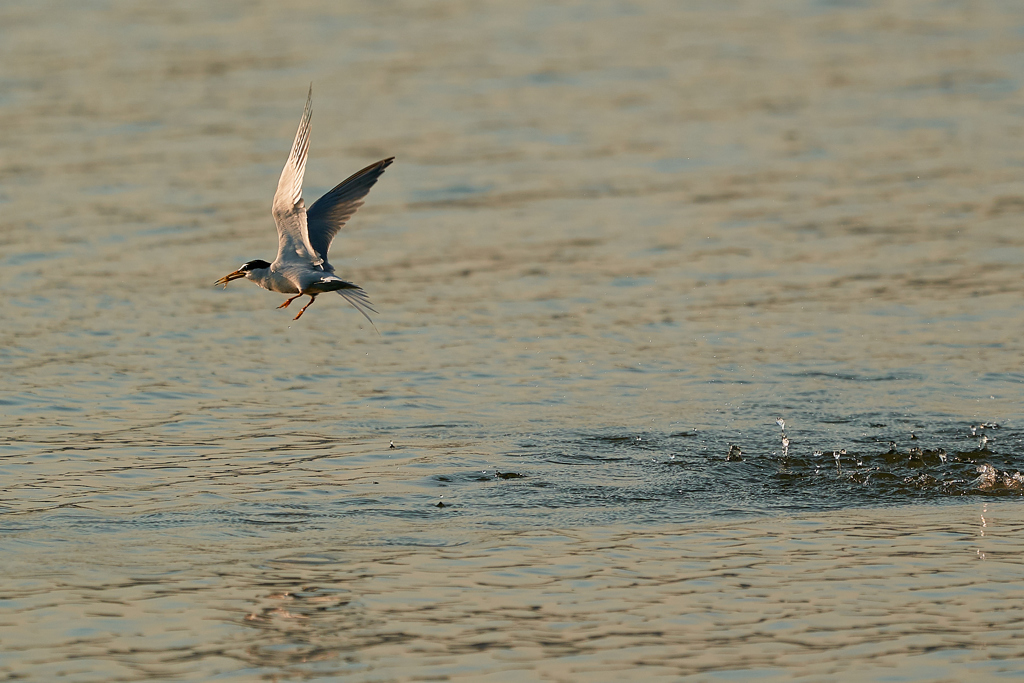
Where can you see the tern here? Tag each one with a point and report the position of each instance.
(304, 235)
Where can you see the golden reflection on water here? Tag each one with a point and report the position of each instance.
(881, 591)
(619, 238)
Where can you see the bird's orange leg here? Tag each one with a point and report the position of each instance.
(285, 304)
(312, 298)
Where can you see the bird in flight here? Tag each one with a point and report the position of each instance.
(304, 235)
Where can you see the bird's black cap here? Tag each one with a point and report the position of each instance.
(253, 265)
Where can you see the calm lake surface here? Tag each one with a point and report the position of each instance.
(620, 241)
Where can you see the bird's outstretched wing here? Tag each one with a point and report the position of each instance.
(329, 213)
(289, 209)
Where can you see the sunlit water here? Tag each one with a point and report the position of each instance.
(619, 242)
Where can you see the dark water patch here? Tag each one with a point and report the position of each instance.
(577, 457)
(465, 477)
(850, 468)
(306, 560)
(450, 193)
(857, 377)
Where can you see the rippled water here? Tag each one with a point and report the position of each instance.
(620, 240)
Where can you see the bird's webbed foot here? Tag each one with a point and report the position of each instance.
(312, 298)
(285, 304)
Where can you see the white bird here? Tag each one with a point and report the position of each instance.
(304, 236)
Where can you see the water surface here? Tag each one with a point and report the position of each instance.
(619, 241)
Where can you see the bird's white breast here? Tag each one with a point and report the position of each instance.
(267, 278)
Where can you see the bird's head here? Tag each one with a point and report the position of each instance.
(243, 271)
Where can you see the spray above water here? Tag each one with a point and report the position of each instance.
(874, 469)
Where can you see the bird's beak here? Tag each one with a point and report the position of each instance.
(229, 277)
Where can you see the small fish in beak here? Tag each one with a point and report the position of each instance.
(229, 277)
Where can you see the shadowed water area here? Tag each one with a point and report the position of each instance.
(619, 242)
